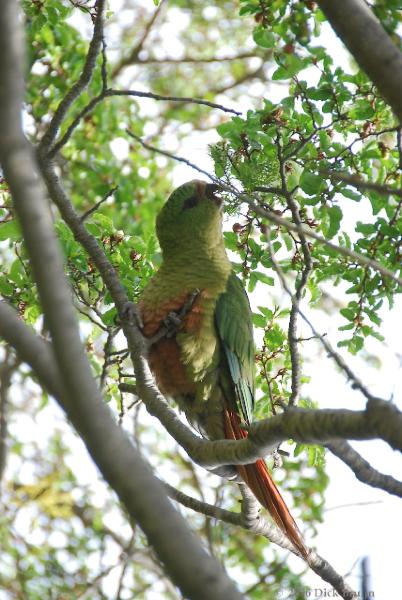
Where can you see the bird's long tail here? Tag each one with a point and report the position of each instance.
(258, 479)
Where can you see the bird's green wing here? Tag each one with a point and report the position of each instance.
(235, 330)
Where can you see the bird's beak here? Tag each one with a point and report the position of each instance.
(210, 192)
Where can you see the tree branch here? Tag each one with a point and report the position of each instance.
(300, 285)
(168, 154)
(356, 382)
(363, 470)
(107, 93)
(371, 46)
(7, 369)
(196, 59)
(251, 520)
(133, 56)
(363, 185)
(381, 419)
(83, 80)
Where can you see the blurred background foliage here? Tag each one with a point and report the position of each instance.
(62, 535)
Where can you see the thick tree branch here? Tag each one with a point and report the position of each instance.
(123, 458)
(251, 520)
(381, 419)
(38, 354)
(34, 351)
(7, 369)
(363, 470)
(107, 443)
(371, 46)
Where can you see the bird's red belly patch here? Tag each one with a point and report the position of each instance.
(164, 357)
(170, 374)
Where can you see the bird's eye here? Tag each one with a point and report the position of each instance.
(190, 202)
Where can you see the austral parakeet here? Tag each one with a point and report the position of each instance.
(207, 364)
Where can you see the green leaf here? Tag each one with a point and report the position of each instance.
(335, 218)
(292, 65)
(259, 320)
(351, 194)
(348, 313)
(17, 273)
(264, 278)
(231, 240)
(105, 223)
(319, 94)
(32, 313)
(356, 344)
(264, 37)
(5, 287)
(311, 183)
(362, 110)
(10, 230)
(365, 228)
(109, 317)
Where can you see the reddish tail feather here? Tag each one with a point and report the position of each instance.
(258, 479)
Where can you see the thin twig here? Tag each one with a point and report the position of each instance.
(183, 99)
(169, 155)
(352, 504)
(354, 181)
(82, 82)
(126, 557)
(136, 94)
(104, 66)
(106, 352)
(98, 204)
(300, 285)
(356, 382)
(399, 145)
(133, 56)
(195, 59)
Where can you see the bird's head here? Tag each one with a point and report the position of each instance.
(191, 217)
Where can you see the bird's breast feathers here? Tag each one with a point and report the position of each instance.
(181, 362)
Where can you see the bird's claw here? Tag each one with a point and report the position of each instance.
(132, 314)
(172, 324)
(174, 320)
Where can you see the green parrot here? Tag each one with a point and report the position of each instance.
(207, 364)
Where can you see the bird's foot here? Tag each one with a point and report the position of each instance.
(172, 323)
(132, 314)
(174, 320)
